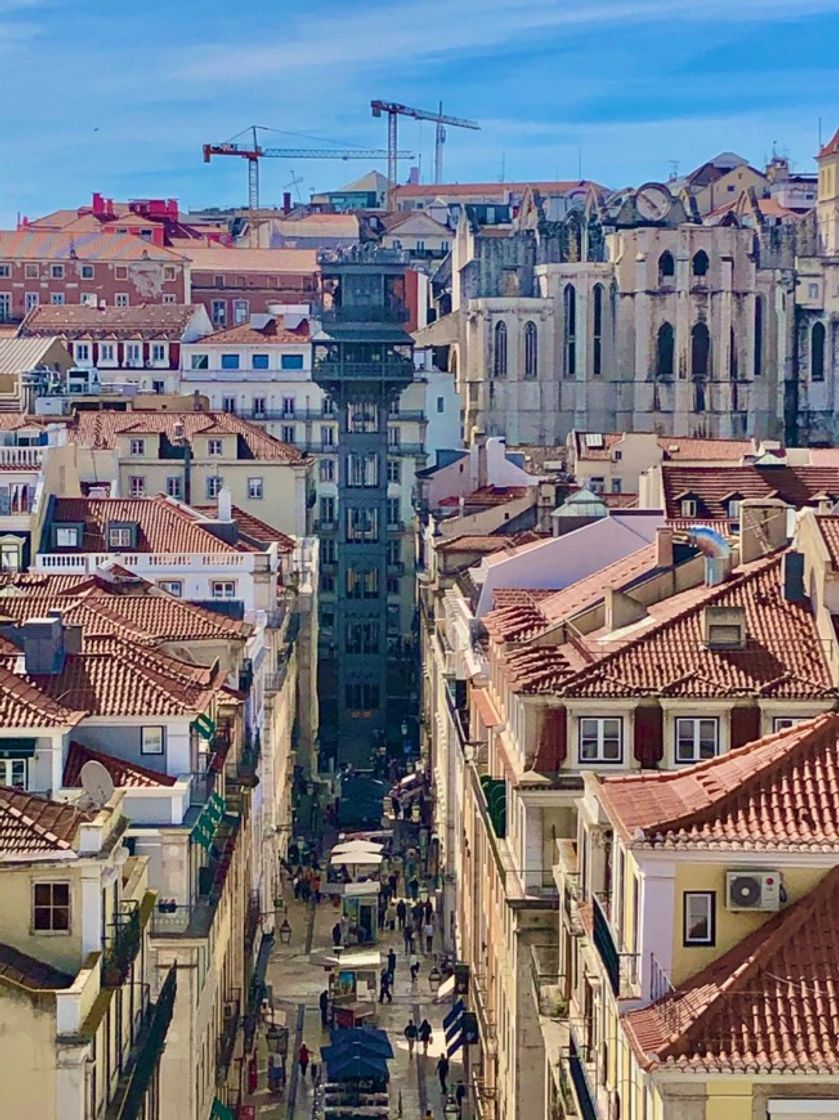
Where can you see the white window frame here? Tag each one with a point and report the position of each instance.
(288, 433)
(7, 772)
(199, 361)
(31, 272)
(56, 272)
(174, 587)
(593, 730)
(169, 297)
(175, 486)
(88, 272)
(705, 902)
(159, 353)
(5, 271)
(137, 447)
(153, 740)
(170, 272)
(259, 406)
(11, 555)
(136, 486)
(214, 483)
(134, 355)
(119, 536)
(81, 353)
(51, 931)
(56, 299)
(695, 738)
(687, 507)
(215, 446)
(107, 354)
(31, 300)
(784, 723)
(62, 535)
(121, 299)
(256, 488)
(223, 589)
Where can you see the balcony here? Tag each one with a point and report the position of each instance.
(251, 923)
(248, 763)
(364, 313)
(585, 1098)
(621, 968)
(571, 903)
(122, 948)
(227, 1035)
(273, 682)
(128, 1101)
(195, 919)
(336, 371)
(24, 458)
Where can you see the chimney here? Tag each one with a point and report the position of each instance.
(724, 627)
(44, 645)
(664, 547)
(286, 202)
(792, 577)
(483, 474)
(621, 610)
(72, 631)
(716, 570)
(225, 504)
(763, 527)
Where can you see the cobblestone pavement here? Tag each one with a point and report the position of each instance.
(296, 984)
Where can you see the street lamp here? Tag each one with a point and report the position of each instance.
(435, 978)
(285, 932)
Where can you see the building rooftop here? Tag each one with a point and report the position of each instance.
(590, 446)
(765, 1006)
(32, 244)
(29, 823)
(245, 334)
(124, 774)
(713, 487)
(256, 529)
(142, 320)
(23, 705)
(27, 972)
(226, 261)
(19, 355)
(442, 190)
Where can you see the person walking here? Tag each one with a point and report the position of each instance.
(337, 933)
(410, 1033)
(391, 915)
(428, 909)
(415, 967)
(460, 1096)
(384, 987)
(413, 887)
(401, 912)
(391, 963)
(443, 1073)
(303, 1059)
(428, 931)
(424, 1034)
(324, 1008)
(408, 937)
(316, 889)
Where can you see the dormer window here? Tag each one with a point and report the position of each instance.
(122, 536)
(137, 447)
(724, 628)
(67, 536)
(215, 447)
(688, 507)
(733, 507)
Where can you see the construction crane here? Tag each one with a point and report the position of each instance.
(395, 111)
(253, 152)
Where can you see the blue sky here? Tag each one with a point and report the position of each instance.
(119, 98)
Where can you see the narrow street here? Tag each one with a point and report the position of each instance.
(296, 983)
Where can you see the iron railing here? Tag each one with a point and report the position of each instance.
(364, 313)
(128, 1101)
(621, 968)
(122, 949)
(584, 1095)
(227, 1036)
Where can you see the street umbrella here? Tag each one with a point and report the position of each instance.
(358, 846)
(369, 1041)
(352, 1065)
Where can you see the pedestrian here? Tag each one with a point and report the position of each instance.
(314, 1070)
(296, 881)
(324, 1008)
(459, 1095)
(393, 882)
(428, 930)
(303, 1059)
(424, 1034)
(395, 806)
(316, 887)
(411, 1035)
(391, 961)
(305, 888)
(391, 915)
(413, 887)
(337, 934)
(428, 909)
(401, 912)
(415, 967)
(443, 1072)
(384, 987)
(408, 938)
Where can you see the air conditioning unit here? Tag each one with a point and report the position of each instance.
(753, 890)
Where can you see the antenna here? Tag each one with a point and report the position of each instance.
(674, 168)
(97, 783)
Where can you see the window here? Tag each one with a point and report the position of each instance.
(214, 484)
(158, 386)
(218, 312)
(159, 352)
(361, 696)
(215, 446)
(327, 551)
(81, 352)
(218, 281)
(699, 917)
(106, 352)
(784, 723)
(174, 587)
(291, 361)
(812, 291)
(121, 299)
(758, 341)
(14, 772)
(393, 585)
(51, 907)
(241, 310)
(30, 300)
(499, 357)
(326, 470)
(121, 272)
(327, 510)
(289, 404)
(288, 433)
(87, 272)
(393, 511)
(394, 470)
(120, 536)
(230, 361)
(57, 271)
(136, 485)
(664, 351)
(175, 486)
(393, 409)
(362, 637)
(666, 267)
(199, 361)
(31, 271)
(597, 485)
(569, 305)
(66, 536)
(328, 406)
(259, 361)
(362, 525)
(617, 485)
(363, 468)
(133, 354)
(151, 740)
(695, 739)
(597, 332)
(57, 299)
(817, 337)
(601, 739)
(688, 507)
(441, 404)
(223, 588)
(327, 436)
(228, 404)
(700, 263)
(327, 582)
(255, 488)
(420, 246)
(259, 406)
(733, 361)
(394, 437)
(137, 446)
(10, 557)
(169, 272)
(531, 353)
(88, 299)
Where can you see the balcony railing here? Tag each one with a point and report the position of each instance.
(248, 762)
(621, 968)
(195, 919)
(128, 1101)
(273, 682)
(364, 313)
(122, 949)
(585, 1097)
(251, 922)
(364, 371)
(24, 457)
(227, 1036)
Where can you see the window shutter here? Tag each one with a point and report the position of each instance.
(745, 725)
(553, 742)
(649, 735)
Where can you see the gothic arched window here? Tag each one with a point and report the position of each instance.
(597, 331)
(569, 303)
(758, 335)
(499, 362)
(817, 339)
(701, 263)
(531, 350)
(664, 351)
(666, 267)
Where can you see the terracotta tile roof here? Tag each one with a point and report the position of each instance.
(674, 448)
(253, 527)
(831, 148)
(27, 972)
(227, 261)
(783, 656)
(100, 429)
(777, 793)
(487, 544)
(141, 320)
(12, 421)
(41, 583)
(489, 496)
(124, 774)
(24, 705)
(828, 526)
(35, 824)
(31, 244)
(769, 1005)
(538, 670)
(519, 596)
(272, 332)
(710, 486)
(163, 525)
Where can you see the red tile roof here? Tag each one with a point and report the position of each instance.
(831, 148)
(35, 824)
(828, 525)
(781, 792)
(163, 525)
(710, 486)
(27, 972)
(24, 705)
(31, 244)
(489, 496)
(253, 527)
(686, 448)
(228, 261)
(100, 429)
(141, 320)
(486, 544)
(272, 332)
(538, 669)
(769, 1005)
(783, 656)
(124, 774)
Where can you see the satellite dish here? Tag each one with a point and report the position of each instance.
(96, 782)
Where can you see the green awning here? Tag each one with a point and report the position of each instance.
(17, 748)
(205, 727)
(220, 1111)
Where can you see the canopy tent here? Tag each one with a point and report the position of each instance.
(368, 1040)
(354, 1065)
(359, 846)
(364, 858)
